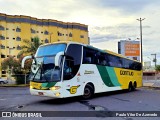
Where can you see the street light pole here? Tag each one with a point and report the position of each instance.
(155, 59)
(140, 20)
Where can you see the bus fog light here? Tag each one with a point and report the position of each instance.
(55, 88)
(57, 94)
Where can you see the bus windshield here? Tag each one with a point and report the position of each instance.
(50, 50)
(46, 71)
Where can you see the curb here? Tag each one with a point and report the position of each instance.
(14, 85)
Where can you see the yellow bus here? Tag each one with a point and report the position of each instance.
(67, 69)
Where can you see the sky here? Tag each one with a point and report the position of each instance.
(109, 21)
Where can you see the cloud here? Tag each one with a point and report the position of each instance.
(126, 6)
(106, 33)
(102, 38)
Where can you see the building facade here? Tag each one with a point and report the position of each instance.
(16, 28)
(130, 49)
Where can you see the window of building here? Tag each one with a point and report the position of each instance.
(70, 35)
(13, 29)
(46, 32)
(18, 29)
(7, 37)
(46, 41)
(2, 46)
(2, 37)
(42, 32)
(3, 75)
(19, 47)
(18, 39)
(33, 31)
(1, 27)
(81, 36)
(13, 38)
(3, 56)
(59, 34)
(31, 39)
(7, 28)
(3, 72)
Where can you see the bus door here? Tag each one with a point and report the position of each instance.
(71, 84)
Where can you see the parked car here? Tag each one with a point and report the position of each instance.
(3, 81)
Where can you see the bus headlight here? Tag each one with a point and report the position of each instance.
(55, 88)
(31, 87)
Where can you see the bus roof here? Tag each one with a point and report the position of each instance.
(89, 46)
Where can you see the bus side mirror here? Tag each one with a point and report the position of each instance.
(35, 61)
(57, 58)
(24, 59)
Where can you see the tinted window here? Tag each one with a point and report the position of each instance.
(50, 49)
(90, 56)
(72, 61)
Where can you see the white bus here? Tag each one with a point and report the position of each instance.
(67, 69)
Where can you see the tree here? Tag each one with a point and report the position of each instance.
(30, 47)
(157, 68)
(11, 63)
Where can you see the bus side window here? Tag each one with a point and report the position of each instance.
(88, 56)
(68, 69)
(88, 60)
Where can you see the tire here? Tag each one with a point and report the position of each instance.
(134, 86)
(88, 92)
(130, 87)
(1, 82)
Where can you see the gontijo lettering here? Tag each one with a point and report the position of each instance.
(124, 72)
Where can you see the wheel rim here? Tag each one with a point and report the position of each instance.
(87, 92)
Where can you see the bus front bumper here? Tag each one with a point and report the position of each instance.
(48, 93)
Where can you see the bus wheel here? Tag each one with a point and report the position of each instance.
(88, 92)
(130, 87)
(134, 85)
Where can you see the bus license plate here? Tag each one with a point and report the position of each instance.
(40, 93)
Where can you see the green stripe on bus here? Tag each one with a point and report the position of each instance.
(105, 76)
(113, 76)
(48, 85)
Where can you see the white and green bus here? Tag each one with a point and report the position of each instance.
(67, 69)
